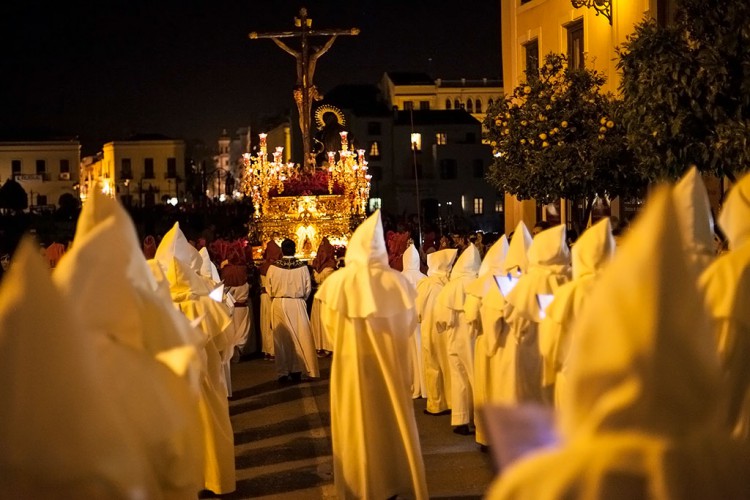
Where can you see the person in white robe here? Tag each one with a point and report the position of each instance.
(369, 310)
(695, 218)
(62, 429)
(434, 345)
(288, 287)
(270, 255)
(492, 264)
(549, 268)
(106, 276)
(411, 271)
(450, 320)
(590, 255)
(323, 265)
(641, 421)
(501, 375)
(726, 287)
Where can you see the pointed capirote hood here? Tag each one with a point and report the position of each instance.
(367, 286)
(411, 258)
(184, 282)
(517, 257)
(644, 359)
(593, 249)
(93, 275)
(734, 218)
(694, 217)
(367, 244)
(175, 244)
(494, 259)
(208, 268)
(467, 264)
(59, 424)
(440, 263)
(98, 208)
(549, 248)
(493, 263)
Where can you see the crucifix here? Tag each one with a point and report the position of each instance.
(304, 90)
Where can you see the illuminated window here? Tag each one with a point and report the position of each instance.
(441, 138)
(416, 141)
(375, 203)
(448, 104)
(374, 150)
(499, 206)
(478, 206)
(575, 44)
(531, 49)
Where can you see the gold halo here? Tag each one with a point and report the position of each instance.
(325, 108)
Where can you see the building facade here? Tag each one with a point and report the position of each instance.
(589, 36)
(46, 170)
(142, 171)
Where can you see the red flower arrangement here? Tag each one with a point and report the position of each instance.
(308, 184)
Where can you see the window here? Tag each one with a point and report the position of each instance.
(41, 166)
(441, 138)
(499, 206)
(64, 166)
(148, 168)
(375, 203)
(469, 105)
(374, 150)
(575, 44)
(448, 104)
(531, 49)
(456, 103)
(416, 141)
(126, 168)
(478, 105)
(408, 105)
(478, 168)
(376, 172)
(15, 166)
(374, 128)
(424, 105)
(172, 168)
(448, 168)
(478, 206)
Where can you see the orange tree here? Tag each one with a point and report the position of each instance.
(686, 88)
(558, 136)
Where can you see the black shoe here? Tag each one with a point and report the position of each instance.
(296, 376)
(463, 430)
(283, 379)
(438, 414)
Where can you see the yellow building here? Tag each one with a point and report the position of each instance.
(588, 35)
(45, 169)
(141, 171)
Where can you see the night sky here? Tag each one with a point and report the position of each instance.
(106, 69)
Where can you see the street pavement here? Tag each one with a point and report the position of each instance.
(282, 439)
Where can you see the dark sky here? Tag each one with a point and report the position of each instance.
(106, 69)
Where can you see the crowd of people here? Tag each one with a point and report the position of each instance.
(634, 347)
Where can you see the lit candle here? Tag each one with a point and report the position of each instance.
(343, 135)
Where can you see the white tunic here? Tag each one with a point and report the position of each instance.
(293, 341)
(266, 332)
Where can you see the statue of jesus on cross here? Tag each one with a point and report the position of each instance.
(305, 91)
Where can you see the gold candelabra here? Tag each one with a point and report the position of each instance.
(261, 175)
(350, 171)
